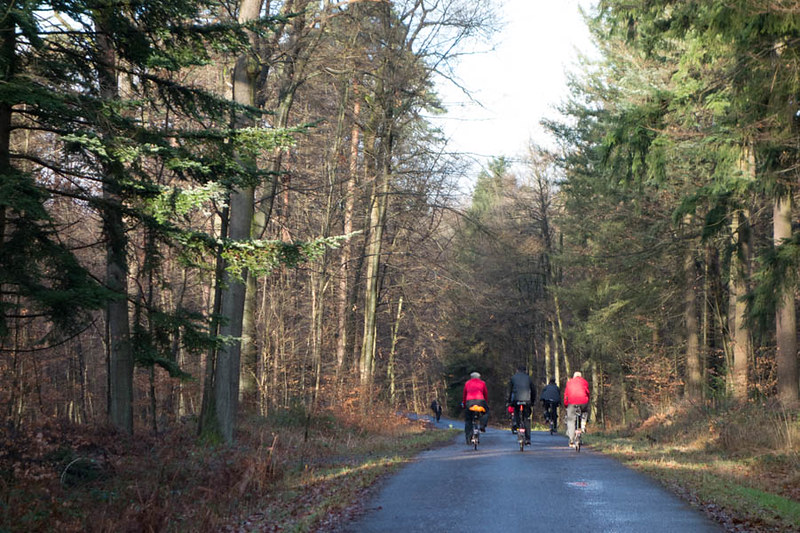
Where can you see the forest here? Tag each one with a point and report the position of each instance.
(218, 210)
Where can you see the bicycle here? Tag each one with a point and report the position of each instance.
(476, 411)
(550, 415)
(579, 427)
(521, 435)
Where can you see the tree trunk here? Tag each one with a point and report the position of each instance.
(740, 276)
(378, 205)
(344, 292)
(556, 359)
(694, 371)
(247, 378)
(548, 367)
(221, 422)
(390, 369)
(596, 392)
(318, 286)
(120, 364)
(561, 336)
(785, 320)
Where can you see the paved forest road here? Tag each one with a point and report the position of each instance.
(500, 489)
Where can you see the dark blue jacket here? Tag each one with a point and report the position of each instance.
(521, 389)
(551, 393)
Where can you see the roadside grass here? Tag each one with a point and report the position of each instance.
(286, 472)
(739, 464)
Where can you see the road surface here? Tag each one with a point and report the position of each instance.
(548, 487)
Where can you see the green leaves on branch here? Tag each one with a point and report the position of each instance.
(253, 142)
(175, 202)
(261, 256)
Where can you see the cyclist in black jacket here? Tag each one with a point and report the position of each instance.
(551, 398)
(521, 390)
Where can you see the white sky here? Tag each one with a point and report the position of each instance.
(518, 83)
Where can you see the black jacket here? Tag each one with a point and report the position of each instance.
(521, 389)
(551, 393)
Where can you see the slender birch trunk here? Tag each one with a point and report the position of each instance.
(390, 369)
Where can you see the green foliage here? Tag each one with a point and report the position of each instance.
(262, 256)
(174, 202)
(777, 275)
(44, 275)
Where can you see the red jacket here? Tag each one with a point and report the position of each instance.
(576, 392)
(475, 389)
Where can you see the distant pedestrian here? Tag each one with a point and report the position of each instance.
(436, 407)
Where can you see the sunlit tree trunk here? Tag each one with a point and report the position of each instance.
(740, 275)
(345, 257)
(556, 359)
(222, 421)
(561, 336)
(548, 368)
(785, 320)
(390, 367)
(378, 205)
(596, 391)
(289, 73)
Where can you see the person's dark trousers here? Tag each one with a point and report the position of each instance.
(526, 419)
(484, 420)
(550, 409)
(571, 416)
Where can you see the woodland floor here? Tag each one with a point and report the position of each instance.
(292, 472)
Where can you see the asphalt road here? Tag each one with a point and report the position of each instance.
(548, 487)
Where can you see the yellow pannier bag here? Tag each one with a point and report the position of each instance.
(478, 408)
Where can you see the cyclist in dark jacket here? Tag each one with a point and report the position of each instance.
(521, 390)
(551, 399)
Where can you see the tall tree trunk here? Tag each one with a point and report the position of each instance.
(548, 366)
(705, 314)
(785, 320)
(561, 336)
(344, 293)
(740, 274)
(378, 205)
(390, 367)
(120, 364)
(248, 387)
(222, 421)
(556, 359)
(694, 371)
(318, 288)
(8, 68)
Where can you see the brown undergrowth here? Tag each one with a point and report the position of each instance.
(740, 463)
(286, 471)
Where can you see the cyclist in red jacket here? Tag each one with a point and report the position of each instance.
(475, 393)
(576, 394)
